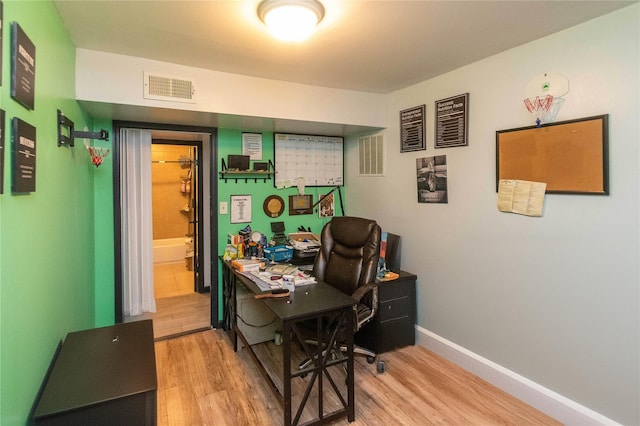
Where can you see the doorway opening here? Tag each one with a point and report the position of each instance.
(183, 237)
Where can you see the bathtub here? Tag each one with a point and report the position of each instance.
(169, 250)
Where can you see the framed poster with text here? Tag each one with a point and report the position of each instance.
(2, 133)
(240, 208)
(1, 21)
(452, 120)
(412, 131)
(23, 149)
(23, 67)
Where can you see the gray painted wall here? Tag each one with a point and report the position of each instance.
(554, 299)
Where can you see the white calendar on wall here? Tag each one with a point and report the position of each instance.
(319, 160)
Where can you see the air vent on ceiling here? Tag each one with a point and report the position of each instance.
(167, 88)
(370, 151)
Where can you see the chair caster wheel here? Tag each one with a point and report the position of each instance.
(371, 359)
(382, 367)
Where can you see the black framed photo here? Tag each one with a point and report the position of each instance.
(23, 149)
(452, 122)
(300, 204)
(23, 67)
(412, 129)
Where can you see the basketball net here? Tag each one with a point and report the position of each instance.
(544, 109)
(97, 154)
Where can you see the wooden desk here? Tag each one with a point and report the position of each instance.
(103, 376)
(305, 303)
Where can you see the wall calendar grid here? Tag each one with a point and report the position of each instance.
(319, 160)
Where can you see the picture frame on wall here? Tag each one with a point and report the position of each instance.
(240, 208)
(2, 133)
(452, 122)
(412, 129)
(23, 150)
(1, 44)
(23, 67)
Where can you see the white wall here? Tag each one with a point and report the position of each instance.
(118, 79)
(554, 299)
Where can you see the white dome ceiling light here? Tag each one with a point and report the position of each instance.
(291, 20)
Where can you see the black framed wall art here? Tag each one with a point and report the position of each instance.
(412, 129)
(23, 149)
(452, 120)
(2, 133)
(23, 67)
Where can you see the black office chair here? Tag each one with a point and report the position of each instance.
(348, 261)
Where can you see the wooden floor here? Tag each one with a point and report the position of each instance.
(179, 309)
(201, 381)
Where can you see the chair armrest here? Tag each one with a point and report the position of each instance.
(358, 295)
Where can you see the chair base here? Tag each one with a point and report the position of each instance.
(339, 352)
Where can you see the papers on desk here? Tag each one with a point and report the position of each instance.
(304, 243)
(265, 282)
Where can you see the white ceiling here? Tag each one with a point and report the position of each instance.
(371, 46)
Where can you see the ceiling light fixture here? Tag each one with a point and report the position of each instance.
(291, 20)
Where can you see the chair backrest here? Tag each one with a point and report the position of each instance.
(349, 253)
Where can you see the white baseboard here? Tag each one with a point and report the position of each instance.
(545, 400)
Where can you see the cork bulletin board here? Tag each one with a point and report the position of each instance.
(571, 157)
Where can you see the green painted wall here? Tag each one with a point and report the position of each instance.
(104, 242)
(230, 142)
(46, 237)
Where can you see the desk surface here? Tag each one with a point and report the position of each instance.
(307, 299)
(100, 365)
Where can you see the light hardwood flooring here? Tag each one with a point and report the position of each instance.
(179, 309)
(201, 381)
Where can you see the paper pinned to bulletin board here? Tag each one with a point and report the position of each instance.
(521, 197)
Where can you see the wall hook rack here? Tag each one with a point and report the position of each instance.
(65, 123)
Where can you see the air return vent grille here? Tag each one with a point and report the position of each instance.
(167, 88)
(370, 155)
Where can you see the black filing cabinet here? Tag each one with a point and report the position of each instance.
(103, 376)
(394, 324)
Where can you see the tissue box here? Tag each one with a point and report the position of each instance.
(278, 253)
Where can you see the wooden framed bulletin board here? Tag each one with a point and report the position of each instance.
(316, 159)
(571, 157)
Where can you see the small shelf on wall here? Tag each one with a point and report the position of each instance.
(235, 174)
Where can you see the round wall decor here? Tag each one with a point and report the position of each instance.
(273, 206)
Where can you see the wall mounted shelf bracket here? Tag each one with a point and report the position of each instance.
(67, 134)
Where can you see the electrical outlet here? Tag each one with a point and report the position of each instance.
(224, 207)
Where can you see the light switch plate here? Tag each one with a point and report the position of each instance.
(224, 207)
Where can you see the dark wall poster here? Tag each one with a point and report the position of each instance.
(2, 133)
(1, 56)
(23, 67)
(23, 148)
(451, 121)
(412, 129)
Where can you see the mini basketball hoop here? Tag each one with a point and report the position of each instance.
(97, 153)
(544, 96)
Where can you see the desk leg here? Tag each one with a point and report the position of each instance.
(351, 412)
(286, 365)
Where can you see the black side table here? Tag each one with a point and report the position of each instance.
(103, 376)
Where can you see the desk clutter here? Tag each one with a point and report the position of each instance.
(279, 248)
(273, 277)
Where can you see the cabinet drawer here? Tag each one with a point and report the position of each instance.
(394, 289)
(392, 309)
(395, 334)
